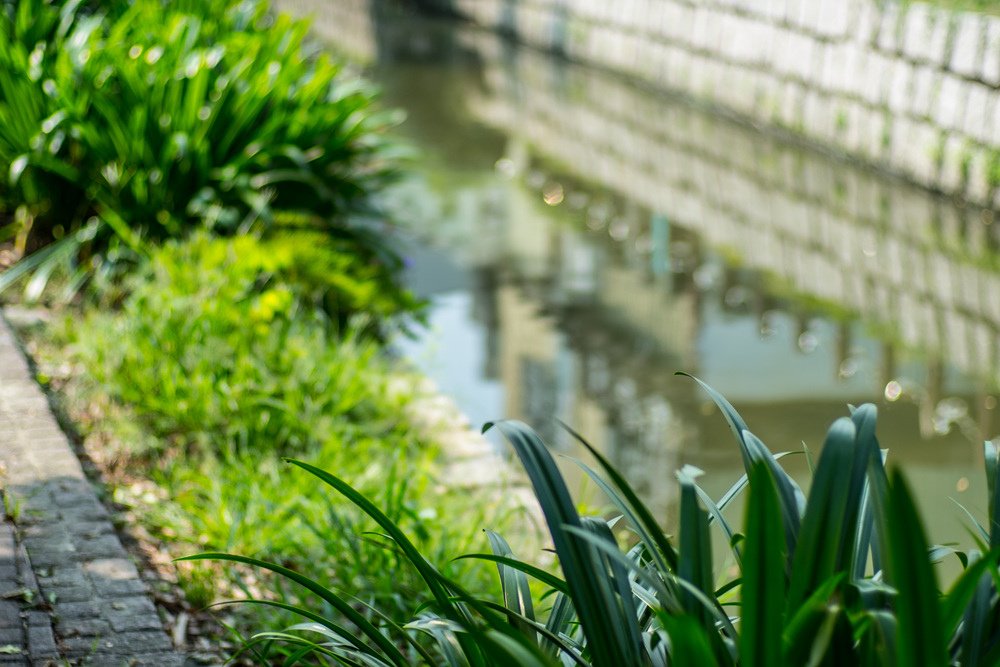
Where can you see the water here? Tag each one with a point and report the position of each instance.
(581, 239)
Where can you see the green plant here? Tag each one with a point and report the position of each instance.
(227, 344)
(219, 356)
(124, 129)
(844, 577)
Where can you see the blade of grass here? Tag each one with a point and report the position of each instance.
(591, 590)
(919, 635)
(336, 601)
(640, 515)
(826, 536)
(764, 582)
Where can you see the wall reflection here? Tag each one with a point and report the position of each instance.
(589, 238)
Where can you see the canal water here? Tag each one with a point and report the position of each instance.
(581, 239)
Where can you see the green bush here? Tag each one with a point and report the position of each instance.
(121, 129)
(844, 577)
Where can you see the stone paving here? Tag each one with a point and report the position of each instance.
(69, 594)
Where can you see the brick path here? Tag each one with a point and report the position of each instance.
(68, 591)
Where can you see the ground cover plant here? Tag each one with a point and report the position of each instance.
(223, 357)
(123, 124)
(843, 576)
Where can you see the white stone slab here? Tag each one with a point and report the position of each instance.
(967, 45)
(922, 159)
(917, 23)
(899, 86)
(875, 78)
(981, 102)
(833, 18)
(925, 84)
(866, 28)
(889, 27)
(978, 186)
(990, 62)
(936, 48)
(950, 102)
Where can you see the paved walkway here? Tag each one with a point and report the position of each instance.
(69, 594)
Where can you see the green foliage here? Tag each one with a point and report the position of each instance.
(848, 579)
(219, 358)
(131, 123)
(226, 344)
(983, 6)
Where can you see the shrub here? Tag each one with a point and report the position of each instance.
(121, 129)
(844, 577)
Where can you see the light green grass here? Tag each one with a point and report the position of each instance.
(220, 360)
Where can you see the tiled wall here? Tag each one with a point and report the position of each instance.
(905, 260)
(910, 88)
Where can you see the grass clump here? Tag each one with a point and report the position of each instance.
(229, 344)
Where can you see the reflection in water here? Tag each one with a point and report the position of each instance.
(584, 239)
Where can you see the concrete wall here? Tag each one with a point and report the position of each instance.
(906, 261)
(912, 89)
(348, 23)
(918, 268)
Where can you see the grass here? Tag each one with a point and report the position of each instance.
(219, 358)
(981, 6)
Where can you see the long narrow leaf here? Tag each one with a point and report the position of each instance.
(590, 589)
(764, 582)
(920, 639)
(336, 601)
(825, 536)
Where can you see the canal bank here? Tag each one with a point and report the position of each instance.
(584, 237)
(907, 87)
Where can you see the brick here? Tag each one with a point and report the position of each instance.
(111, 588)
(67, 612)
(123, 643)
(86, 627)
(102, 546)
(91, 510)
(838, 63)
(156, 659)
(34, 618)
(41, 642)
(64, 574)
(978, 185)
(11, 636)
(917, 23)
(68, 593)
(951, 167)
(90, 529)
(10, 614)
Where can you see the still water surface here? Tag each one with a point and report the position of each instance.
(581, 239)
